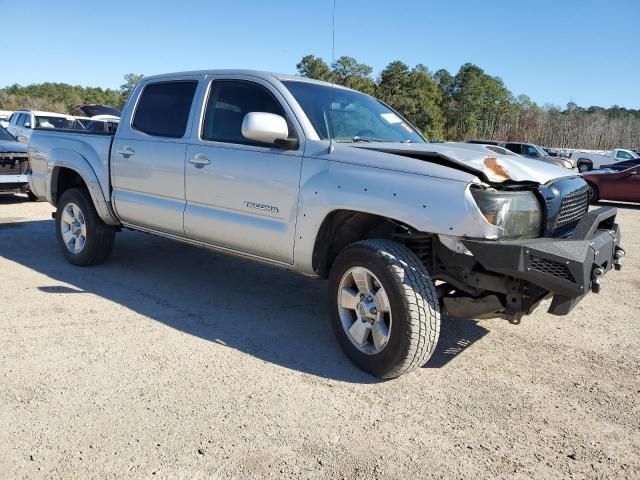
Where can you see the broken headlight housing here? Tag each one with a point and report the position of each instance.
(518, 214)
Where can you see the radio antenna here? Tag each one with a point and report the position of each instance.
(333, 86)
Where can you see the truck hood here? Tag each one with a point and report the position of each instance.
(99, 110)
(12, 147)
(491, 168)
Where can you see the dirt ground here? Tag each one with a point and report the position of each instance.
(174, 362)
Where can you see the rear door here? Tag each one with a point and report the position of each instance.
(241, 194)
(148, 155)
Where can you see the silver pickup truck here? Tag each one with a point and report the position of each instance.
(331, 183)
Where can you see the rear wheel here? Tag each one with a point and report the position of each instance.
(384, 307)
(83, 237)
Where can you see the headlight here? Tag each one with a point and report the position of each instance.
(567, 164)
(517, 213)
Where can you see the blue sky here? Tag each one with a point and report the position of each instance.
(587, 51)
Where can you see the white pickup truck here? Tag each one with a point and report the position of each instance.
(586, 161)
(331, 183)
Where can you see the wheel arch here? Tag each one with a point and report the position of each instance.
(583, 161)
(70, 169)
(341, 227)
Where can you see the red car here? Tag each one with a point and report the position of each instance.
(610, 184)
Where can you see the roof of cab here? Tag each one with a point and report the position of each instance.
(254, 73)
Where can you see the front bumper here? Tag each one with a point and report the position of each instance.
(568, 268)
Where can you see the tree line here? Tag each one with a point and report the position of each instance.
(443, 106)
(474, 104)
(62, 97)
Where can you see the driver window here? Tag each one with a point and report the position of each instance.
(229, 102)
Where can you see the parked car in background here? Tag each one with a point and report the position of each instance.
(331, 183)
(586, 161)
(100, 112)
(5, 115)
(24, 121)
(528, 150)
(13, 165)
(99, 118)
(531, 150)
(609, 184)
(621, 165)
(97, 125)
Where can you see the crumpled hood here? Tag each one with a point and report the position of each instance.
(12, 147)
(492, 168)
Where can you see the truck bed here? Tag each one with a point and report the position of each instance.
(65, 146)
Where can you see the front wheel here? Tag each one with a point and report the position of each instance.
(384, 307)
(82, 236)
(593, 193)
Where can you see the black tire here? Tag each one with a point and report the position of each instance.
(594, 194)
(100, 237)
(413, 302)
(584, 165)
(32, 196)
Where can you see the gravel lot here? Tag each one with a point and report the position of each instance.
(173, 362)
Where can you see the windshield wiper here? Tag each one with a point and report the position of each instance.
(357, 139)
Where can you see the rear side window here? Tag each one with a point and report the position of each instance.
(163, 108)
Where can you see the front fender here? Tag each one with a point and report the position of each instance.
(61, 158)
(427, 204)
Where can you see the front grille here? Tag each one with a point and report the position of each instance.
(573, 207)
(549, 267)
(12, 164)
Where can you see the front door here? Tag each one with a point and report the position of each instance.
(241, 194)
(626, 186)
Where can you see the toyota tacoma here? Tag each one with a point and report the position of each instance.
(331, 183)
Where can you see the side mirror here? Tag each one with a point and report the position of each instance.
(27, 125)
(267, 128)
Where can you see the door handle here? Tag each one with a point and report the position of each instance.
(199, 160)
(126, 151)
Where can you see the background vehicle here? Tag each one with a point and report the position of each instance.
(608, 184)
(330, 182)
(97, 125)
(100, 112)
(24, 121)
(531, 150)
(618, 166)
(528, 150)
(13, 165)
(586, 161)
(5, 115)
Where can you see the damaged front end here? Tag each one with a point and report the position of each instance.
(509, 277)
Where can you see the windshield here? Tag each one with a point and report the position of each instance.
(349, 116)
(6, 136)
